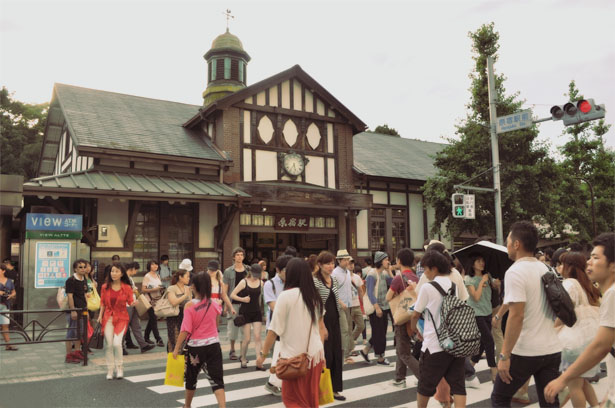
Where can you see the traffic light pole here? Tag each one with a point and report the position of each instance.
(495, 155)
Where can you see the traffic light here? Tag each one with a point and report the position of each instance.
(459, 208)
(580, 111)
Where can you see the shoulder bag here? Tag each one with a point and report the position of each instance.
(558, 298)
(294, 367)
(164, 308)
(401, 303)
(93, 299)
(368, 307)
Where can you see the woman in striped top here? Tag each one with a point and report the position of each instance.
(327, 287)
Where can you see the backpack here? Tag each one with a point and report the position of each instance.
(558, 298)
(458, 333)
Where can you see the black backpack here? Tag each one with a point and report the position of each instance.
(558, 298)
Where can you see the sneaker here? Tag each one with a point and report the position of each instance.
(274, 390)
(72, 359)
(147, 347)
(473, 383)
(148, 341)
(399, 383)
(384, 362)
(131, 347)
(78, 354)
(160, 343)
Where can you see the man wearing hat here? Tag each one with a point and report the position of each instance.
(344, 280)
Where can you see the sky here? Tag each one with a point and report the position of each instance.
(401, 63)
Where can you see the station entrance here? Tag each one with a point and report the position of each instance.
(270, 245)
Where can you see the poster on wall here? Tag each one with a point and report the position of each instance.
(52, 264)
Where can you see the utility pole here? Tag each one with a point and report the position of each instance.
(495, 154)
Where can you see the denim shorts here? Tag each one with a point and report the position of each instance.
(71, 331)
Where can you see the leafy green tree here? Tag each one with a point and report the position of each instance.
(587, 166)
(386, 130)
(21, 135)
(527, 174)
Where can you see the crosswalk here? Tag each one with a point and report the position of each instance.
(365, 385)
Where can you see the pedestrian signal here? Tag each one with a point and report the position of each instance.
(459, 208)
(577, 112)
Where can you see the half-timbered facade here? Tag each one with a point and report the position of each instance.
(280, 162)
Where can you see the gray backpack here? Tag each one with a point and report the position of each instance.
(458, 333)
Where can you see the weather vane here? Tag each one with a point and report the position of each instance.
(228, 17)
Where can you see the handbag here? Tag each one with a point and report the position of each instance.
(368, 307)
(97, 339)
(558, 298)
(142, 305)
(400, 305)
(164, 308)
(93, 299)
(294, 367)
(325, 388)
(239, 320)
(61, 298)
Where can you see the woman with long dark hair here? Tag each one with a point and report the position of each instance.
(203, 344)
(152, 287)
(297, 319)
(479, 287)
(328, 287)
(179, 293)
(115, 295)
(574, 339)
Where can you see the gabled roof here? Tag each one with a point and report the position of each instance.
(293, 72)
(96, 183)
(101, 119)
(389, 156)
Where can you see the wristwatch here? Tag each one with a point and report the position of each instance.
(496, 317)
(503, 357)
(262, 354)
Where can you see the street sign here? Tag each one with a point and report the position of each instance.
(516, 121)
(468, 201)
(54, 222)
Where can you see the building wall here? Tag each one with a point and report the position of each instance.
(114, 214)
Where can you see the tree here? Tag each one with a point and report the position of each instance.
(587, 166)
(528, 176)
(22, 126)
(386, 130)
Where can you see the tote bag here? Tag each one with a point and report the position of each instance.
(174, 374)
(325, 388)
(164, 308)
(93, 299)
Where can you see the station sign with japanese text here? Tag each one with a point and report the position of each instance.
(516, 121)
(291, 222)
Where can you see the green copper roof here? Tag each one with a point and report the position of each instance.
(227, 42)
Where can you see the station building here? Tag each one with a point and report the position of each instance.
(276, 163)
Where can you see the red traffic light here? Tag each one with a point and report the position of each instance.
(584, 106)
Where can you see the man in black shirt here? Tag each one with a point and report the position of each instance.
(76, 288)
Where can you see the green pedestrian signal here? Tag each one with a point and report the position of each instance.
(459, 209)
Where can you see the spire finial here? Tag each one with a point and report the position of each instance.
(228, 18)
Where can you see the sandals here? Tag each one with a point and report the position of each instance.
(349, 360)
(244, 364)
(364, 356)
(11, 348)
(232, 355)
(257, 368)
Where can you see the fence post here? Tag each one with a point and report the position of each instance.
(84, 342)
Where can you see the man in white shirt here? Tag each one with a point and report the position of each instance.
(600, 269)
(531, 346)
(435, 363)
(344, 281)
(271, 292)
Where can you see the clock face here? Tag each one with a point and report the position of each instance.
(294, 164)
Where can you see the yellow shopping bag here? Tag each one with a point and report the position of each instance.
(175, 371)
(325, 388)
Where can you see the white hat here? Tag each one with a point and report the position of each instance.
(186, 265)
(342, 253)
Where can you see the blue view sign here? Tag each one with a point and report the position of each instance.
(54, 222)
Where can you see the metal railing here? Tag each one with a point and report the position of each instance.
(30, 334)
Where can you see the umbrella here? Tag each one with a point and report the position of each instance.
(496, 257)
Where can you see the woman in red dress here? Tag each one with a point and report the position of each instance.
(115, 295)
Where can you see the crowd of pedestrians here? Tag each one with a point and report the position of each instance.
(315, 308)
